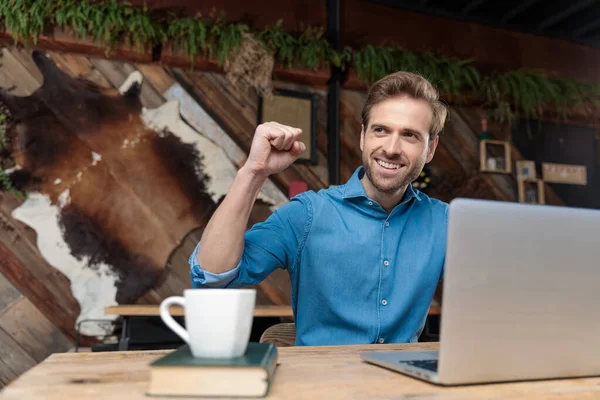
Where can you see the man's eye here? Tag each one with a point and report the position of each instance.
(378, 129)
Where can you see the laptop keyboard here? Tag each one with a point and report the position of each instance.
(430, 365)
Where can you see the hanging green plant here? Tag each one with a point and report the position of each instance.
(313, 51)
(113, 22)
(533, 95)
(506, 96)
(74, 14)
(310, 50)
(280, 43)
(452, 76)
(188, 34)
(224, 38)
(25, 19)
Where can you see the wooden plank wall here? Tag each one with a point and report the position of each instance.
(27, 337)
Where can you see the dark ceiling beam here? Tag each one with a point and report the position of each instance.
(473, 4)
(517, 10)
(564, 13)
(586, 28)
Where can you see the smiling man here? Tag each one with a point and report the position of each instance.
(364, 258)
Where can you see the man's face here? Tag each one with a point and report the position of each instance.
(395, 145)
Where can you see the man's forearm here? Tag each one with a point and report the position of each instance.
(222, 242)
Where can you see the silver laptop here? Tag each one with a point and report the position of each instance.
(521, 297)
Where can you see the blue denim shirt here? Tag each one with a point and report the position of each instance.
(358, 274)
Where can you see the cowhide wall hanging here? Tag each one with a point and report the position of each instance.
(112, 188)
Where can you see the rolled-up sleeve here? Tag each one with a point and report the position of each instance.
(274, 243)
(201, 278)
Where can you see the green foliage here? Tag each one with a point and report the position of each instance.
(224, 38)
(26, 19)
(451, 76)
(6, 185)
(280, 43)
(533, 95)
(74, 14)
(188, 34)
(310, 50)
(506, 96)
(313, 50)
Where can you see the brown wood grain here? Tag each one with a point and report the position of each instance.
(331, 372)
(38, 293)
(33, 331)
(21, 240)
(217, 99)
(14, 360)
(79, 66)
(8, 293)
(14, 76)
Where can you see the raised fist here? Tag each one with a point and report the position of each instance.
(274, 148)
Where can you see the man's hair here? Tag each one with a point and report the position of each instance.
(408, 84)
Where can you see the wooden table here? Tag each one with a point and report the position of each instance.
(303, 373)
(177, 311)
(128, 311)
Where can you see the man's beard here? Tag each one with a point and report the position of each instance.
(411, 175)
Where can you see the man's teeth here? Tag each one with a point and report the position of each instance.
(388, 165)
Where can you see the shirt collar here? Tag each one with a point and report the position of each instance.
(354, 187)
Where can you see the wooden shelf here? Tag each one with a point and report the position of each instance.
(65, 41)
(495, 163)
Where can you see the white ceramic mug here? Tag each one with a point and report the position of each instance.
(218, 321)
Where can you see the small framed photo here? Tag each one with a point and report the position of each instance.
(495, 156)
(526, 170)
(531, 191)
(297, 109)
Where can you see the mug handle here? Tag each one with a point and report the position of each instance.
(165, 315)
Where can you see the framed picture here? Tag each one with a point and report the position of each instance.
(564, 173)
(526, 170)
(495, 156)
(297, 109)
(531, 191)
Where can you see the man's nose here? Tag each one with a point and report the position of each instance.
(393, 146)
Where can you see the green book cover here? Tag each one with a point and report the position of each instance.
(257, 355)
(179, 373)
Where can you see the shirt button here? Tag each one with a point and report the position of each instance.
(381, 340)
(386, 263)
(387, 223)
(384, 302)
(370, 203)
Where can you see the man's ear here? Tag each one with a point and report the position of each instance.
(362, 136)
(432, 147)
